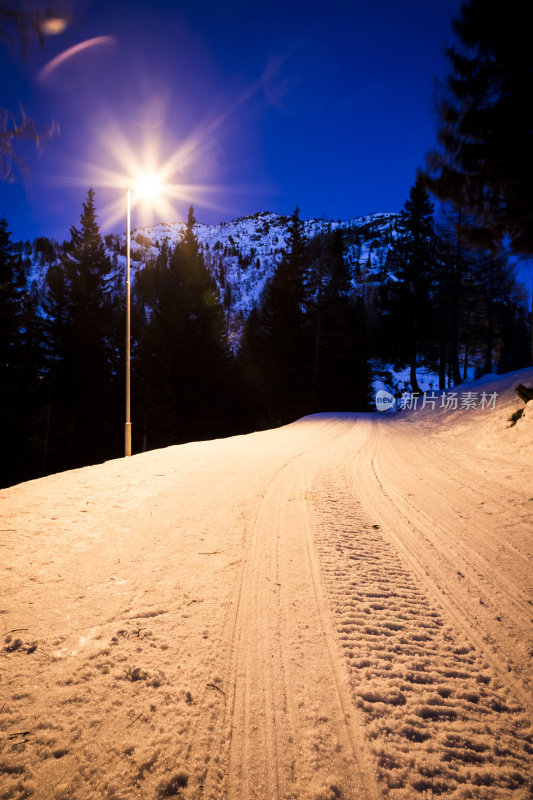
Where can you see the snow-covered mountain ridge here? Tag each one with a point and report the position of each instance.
(265, 228)
(242, 255)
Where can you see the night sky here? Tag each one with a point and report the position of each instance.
(254, 107)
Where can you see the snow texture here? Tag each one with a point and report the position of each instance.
(242, 255)
(338, 608)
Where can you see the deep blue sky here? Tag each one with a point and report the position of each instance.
(328, 105)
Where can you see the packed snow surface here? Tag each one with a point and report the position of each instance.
(337, 608)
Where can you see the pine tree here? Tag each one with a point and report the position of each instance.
(45, 249)
(454, 258)
(21, 368)
(341, 376)
(84, 392)
(276, 349)
(183, 363)
(515, 338)
(11, 339)
(406, 299)
(496, 292)
(486, 135)
(11, 293)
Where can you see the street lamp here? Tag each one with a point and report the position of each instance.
(127, 438)
(147, 186)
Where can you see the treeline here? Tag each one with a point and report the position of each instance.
(62, 395)
(61, 355)
(323, 323)
(445, 304)
(305, 347)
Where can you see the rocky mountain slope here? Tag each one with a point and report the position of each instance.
(242, 255)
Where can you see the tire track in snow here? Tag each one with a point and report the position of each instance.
(481, 593)
(452, 485)
(449, 558)
(289, 722)
(460, 550)
(442, 721)
(212, 781)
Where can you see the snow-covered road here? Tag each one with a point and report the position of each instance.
(339, 608)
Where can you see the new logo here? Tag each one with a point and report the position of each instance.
(385, 401)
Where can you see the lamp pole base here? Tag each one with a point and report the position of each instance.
(127, 439)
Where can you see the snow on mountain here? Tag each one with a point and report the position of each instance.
(242, 255)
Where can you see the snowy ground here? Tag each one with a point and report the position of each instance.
(334, 609)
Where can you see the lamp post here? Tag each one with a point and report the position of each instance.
(147, 185)
(127, 430)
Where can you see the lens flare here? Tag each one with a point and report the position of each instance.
(147, 185)
(158, 179)
(52, 65)
(163, 181)
(52, 26)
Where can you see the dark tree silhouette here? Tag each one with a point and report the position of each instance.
(485, 164)
(276, 352)
(406, 298)
(18, 368)
(340, 373)
(81, 344)
(183, 367)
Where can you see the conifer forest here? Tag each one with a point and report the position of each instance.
(312, 343)
(433, 286)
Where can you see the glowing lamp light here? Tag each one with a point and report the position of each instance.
(145, 182)
(147, 185)
(52, 26)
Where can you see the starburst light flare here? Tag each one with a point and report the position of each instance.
(154, 181)
(147, 185)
